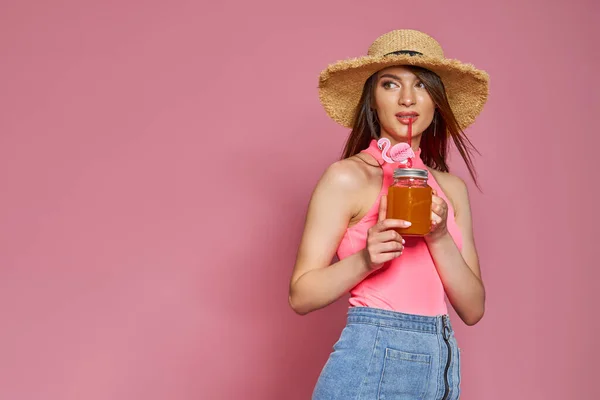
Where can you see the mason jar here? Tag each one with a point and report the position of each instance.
(409, 199)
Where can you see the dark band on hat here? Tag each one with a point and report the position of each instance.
(411, 53)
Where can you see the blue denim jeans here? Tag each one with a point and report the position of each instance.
(385, 354)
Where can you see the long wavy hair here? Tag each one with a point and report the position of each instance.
(434, 140)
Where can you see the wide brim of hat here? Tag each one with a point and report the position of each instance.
(341, 85)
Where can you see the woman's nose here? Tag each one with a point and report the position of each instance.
(407, 98)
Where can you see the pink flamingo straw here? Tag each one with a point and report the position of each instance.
(401, 153)
(409, 161)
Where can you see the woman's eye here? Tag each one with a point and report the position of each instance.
(389, 84)
(420, 85)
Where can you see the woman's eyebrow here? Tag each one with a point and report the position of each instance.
(390, 76)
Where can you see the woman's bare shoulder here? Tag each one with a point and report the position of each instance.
(350, 173)
(449, 179)
(454, 187)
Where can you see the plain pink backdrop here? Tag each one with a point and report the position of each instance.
(156, 160)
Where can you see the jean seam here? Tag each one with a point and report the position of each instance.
(364, 381)
(440, 363)
(392, 327)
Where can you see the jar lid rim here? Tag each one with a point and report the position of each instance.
(411, 173)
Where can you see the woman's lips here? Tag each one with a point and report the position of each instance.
(406, 119)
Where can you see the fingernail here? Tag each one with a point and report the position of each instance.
(407, 224)
(403, 241)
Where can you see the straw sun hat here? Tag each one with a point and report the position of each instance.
(341, 84)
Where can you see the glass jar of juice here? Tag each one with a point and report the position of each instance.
(409, 199)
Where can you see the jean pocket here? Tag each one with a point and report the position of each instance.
(404, 376)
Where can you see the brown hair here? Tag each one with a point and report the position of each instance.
(434, 141)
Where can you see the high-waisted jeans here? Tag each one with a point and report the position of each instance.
(385, 354)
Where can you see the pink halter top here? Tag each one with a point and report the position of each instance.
(409, 283)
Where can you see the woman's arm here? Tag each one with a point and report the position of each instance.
(315, 283)
(313, 286)
(459, 269)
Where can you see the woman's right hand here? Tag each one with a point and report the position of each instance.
(383, 242)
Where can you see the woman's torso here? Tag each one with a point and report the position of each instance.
(409, 283)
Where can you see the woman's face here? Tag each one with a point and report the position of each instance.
(400, 97)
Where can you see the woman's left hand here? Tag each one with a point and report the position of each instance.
(439, 216)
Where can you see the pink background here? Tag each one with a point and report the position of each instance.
(156, 160)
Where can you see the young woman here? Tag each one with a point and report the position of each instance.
(398, 342)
